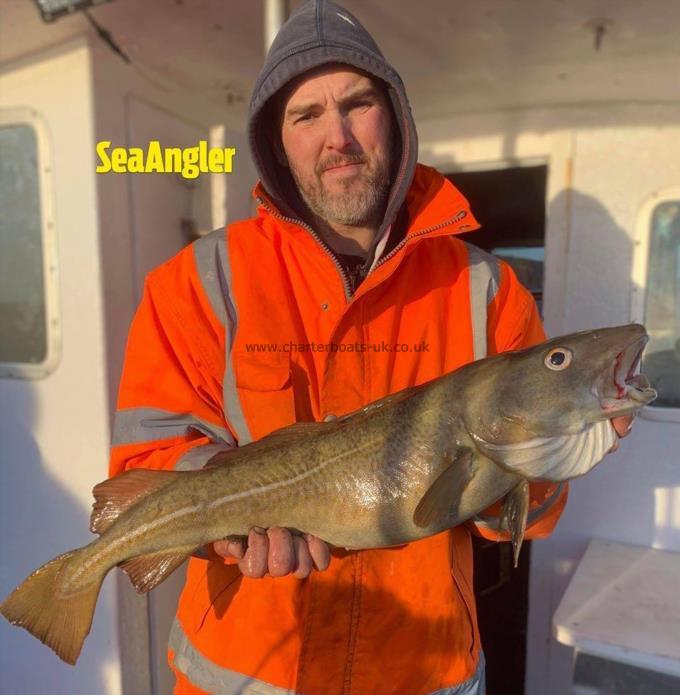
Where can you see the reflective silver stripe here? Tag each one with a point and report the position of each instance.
(473, 686)
(135, 425)
(214, 679)
(197, 457)
(491, 522)
(484, 282)
(212, 261)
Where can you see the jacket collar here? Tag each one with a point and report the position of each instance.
(435, 206)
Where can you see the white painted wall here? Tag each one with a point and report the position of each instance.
(603, 164)
(54, 432)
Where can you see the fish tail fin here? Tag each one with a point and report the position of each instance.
(61, 620)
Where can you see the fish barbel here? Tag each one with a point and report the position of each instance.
(401, 469)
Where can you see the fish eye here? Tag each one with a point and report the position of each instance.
(558, 359)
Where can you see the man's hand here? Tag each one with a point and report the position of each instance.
(622, 425)
(277, 552)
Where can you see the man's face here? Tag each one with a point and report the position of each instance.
(335, 133)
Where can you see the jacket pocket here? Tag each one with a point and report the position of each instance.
(265, 387)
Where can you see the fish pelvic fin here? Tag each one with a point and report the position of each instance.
(442, 499)
(116, 495)
(60, 620)
(148, 571)
(514, 516)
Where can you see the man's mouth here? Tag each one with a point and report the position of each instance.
(347, 166)
(621, 388)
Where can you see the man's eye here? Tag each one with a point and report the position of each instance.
(305, 117)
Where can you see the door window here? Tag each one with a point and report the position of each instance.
(661, 362)
(28, 319)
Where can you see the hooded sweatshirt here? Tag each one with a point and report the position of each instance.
(320, 32)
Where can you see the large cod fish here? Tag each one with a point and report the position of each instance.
(403, 468)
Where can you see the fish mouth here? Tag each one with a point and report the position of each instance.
(621, 388)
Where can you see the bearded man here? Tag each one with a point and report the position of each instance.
(354, 244)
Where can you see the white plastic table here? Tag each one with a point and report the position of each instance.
(623, 604)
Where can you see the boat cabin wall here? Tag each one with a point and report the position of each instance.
(608, 168)
(54, 422)
(100, 234)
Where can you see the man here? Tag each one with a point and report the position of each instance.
(354, 245)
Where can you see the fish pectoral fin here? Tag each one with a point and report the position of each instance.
(444, 494)
(148, 571)
(514, 515)
(114, 496)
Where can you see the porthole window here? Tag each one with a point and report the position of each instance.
(657, 302)
(28, 303)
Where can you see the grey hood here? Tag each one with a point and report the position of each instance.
(320, 32)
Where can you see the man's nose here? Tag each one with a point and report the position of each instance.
(338, 132)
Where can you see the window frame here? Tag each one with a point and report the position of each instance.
(642, 237)
(23, 116)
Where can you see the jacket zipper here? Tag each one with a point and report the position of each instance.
(384, 259)
(408, 237)
(317, 238)
(355, 608)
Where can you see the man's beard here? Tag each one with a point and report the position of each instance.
(361, 199)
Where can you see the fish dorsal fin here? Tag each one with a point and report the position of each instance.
(148, 571)
(114, 496)
(273, 440)
(443, 497)
(514, 515)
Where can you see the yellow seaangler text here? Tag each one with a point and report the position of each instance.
(105, 165)
(189, 162)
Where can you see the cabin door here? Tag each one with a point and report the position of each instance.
(510, 206)
(167, 212)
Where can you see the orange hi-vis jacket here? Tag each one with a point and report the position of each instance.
(222, 352)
